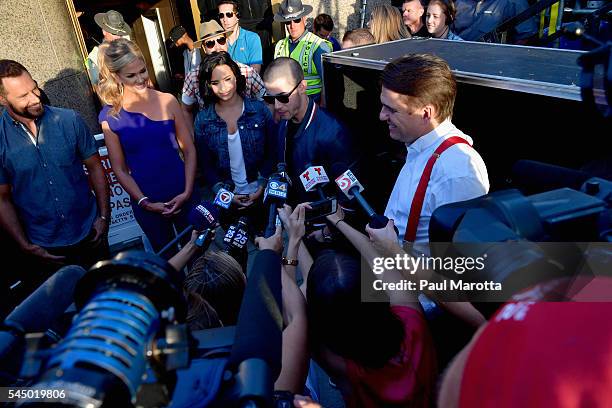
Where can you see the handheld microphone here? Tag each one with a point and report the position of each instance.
(350, 186)
(314, 177)
(224, 196)
(236, 236)
(275, 195)
(202, 217)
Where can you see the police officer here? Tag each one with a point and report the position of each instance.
(301, 45)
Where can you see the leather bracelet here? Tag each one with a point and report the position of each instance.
(290, 262)
(338, 222)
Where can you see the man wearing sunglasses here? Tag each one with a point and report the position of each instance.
(214, 39)
(244, 45)
(308, 135)
(301, 45)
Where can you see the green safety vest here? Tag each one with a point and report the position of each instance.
(303, 53)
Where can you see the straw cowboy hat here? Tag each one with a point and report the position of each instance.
(208, 30)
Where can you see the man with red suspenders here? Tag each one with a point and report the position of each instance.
(418, 95)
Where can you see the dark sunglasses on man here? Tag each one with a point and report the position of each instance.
(211, 43)
(282, 97)
(228, 14)
(296, 21)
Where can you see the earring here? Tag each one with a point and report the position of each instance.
(121, 89)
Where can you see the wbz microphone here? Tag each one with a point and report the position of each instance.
(350, 186)
(275, 196)
(202, 217)
(314, 177)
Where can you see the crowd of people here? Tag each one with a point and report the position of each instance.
(234, 122)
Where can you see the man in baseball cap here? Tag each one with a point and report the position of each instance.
(178, 37)
(113, 27)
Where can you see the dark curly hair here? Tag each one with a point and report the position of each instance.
(209, 63)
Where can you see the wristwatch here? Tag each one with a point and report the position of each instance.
(326, 238)
(291, 262)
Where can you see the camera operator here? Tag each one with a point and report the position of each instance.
(379, 353)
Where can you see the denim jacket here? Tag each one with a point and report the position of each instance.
(257, 131)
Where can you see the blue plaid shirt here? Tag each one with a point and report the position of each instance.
(50, 190)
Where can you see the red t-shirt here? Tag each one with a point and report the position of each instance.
(542, 355)
(408, 379)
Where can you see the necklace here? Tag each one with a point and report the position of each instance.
(445, 32)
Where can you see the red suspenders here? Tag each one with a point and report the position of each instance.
(419, 195)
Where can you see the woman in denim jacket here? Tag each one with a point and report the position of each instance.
(233, 134)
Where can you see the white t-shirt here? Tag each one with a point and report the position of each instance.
(459, 174)
(238, 170)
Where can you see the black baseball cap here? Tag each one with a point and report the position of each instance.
(175, 34)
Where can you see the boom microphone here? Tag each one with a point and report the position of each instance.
(350, 186)
(202, 217)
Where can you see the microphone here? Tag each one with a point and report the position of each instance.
(202, 217)
(256, 353)
(224, 196)
(236, 236)
(314, 177)
(37, 313)
(350, 186)
(275, 195)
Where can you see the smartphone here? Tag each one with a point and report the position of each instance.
(320, 209)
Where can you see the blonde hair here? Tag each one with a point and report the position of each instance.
(111, 59)
(387, 24)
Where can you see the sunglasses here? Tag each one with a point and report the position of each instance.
(211, 43)
(228, 14)
(296, 21)
(282, 98)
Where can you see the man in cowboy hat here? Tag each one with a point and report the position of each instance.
(113, 27)
(301, 45)
(214, 39)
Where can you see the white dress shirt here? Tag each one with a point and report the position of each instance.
(459, 174)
